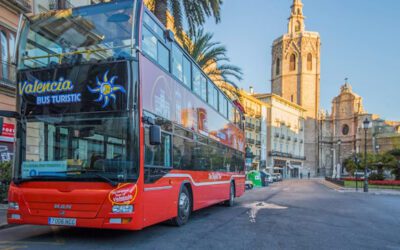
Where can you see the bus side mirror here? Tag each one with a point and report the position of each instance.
(155, 135)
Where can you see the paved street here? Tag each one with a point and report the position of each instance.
(288, 215)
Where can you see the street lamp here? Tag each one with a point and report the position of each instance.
(366, 123)
(357, 162)
(333, 162)
(339, 143)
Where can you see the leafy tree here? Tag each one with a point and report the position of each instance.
(384, 161)
(194, 11)
(5, 178)
(351, 166)
(378, 162)
(211, 57)
(396, 169)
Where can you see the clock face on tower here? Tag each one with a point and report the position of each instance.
(345, 129)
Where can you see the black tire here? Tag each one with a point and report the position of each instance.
(231, 201)
(184, 208)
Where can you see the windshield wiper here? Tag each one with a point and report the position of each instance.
(112, 183)
(36, 178)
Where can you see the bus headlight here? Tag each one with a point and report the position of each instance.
(13, 206)
(122, 209)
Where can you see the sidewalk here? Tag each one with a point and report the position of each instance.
(3, 216)
(375, 191)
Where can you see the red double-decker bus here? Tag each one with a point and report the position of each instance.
(117, 127)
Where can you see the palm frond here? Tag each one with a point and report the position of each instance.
(178, 17)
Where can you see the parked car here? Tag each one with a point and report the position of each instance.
(277, 177)
(268, 176)
(265, 178)
(249, 184)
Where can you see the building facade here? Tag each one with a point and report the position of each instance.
(10, 11)
(295, 75)
(342, 133)
(285, 136)
(40, 6)
(255, 127)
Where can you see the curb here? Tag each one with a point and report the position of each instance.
(330, 185)
(5, 226)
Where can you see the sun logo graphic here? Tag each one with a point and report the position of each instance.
(106, 89)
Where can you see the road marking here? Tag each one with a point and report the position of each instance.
(257, 206)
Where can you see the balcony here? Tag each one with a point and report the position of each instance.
(258, 128)
(282, 136)
(286, 155)
(276, 135)
(7, 75)
(295, 139)
(250, 141)
(249, 126)
(280, 154)
(258, 143)
(289, 138)
(59, 4)
(301, 141)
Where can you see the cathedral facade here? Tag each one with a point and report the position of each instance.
(342, 134)
(296, 77)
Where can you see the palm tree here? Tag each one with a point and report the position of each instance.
(195, 12)
(211, 57)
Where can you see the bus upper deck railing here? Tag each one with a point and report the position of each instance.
(62, 56)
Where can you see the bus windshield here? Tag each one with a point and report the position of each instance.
(85, 34)
(77, 148)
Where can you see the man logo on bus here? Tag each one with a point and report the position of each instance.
(106, 89)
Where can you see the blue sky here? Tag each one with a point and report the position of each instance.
(360, 40)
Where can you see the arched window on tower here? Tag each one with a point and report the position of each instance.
(297, 28)
(292, 65)
(309, 62)
(278, 66)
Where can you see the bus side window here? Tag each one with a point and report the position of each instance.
(155, 49)
(159, 155)
(183, 153)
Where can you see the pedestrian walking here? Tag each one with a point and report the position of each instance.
(308, 175)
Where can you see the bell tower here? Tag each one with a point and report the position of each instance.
(296, 19)
(295, 75)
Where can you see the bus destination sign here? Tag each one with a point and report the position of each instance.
(74, 89)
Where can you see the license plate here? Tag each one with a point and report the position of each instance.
(62, 221)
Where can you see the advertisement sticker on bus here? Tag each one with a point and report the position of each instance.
(124, 194)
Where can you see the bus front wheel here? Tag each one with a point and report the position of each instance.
(231, 201)
(184, 207)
